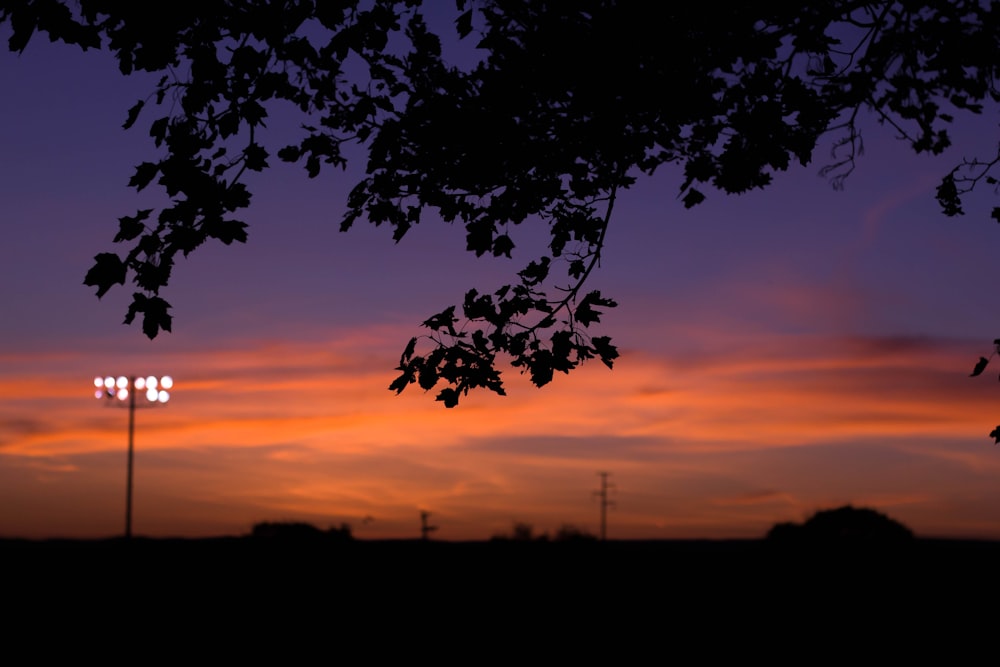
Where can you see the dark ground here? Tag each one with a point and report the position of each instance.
(715, 598)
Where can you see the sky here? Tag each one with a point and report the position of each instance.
(782, 352)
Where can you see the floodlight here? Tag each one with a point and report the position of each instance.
(122, 391)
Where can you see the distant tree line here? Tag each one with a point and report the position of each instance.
(843, 525)
(525, 532)
(300, 531)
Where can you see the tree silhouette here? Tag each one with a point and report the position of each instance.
(978, 370)
(843, 525)
(564, 106)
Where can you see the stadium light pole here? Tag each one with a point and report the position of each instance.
(121, 392)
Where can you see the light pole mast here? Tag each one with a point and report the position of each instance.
(131, 459)
(121, 392)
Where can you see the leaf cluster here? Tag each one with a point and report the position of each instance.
(568, 103)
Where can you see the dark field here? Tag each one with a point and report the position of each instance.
(550, 599)
(627, 571)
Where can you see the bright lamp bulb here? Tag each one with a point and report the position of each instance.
(166, 382)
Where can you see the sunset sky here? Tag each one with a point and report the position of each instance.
(784, 351)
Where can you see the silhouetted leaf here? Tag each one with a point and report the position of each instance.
(540, 368)
(463, 24)
(605, 350)
(131, 227)
(289, 154)
(427, 377)
(158, 130)
(502, 245)
(449, 396)
(312, 166)
(226, 231)
(403, 380)
(254, 113)
(980, 366)
(23, 24)
(947, 196)
(228, 124)
(585, 313)
(408, 352)
(144, 173)
(479, 236)
(444, 320)
(693, 198)
(108, 270)
(256, 157)
(133, 114)
(155, 316)
(477, 306)
(536, 272)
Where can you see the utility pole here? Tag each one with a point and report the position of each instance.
(602, 493)
(425, 528)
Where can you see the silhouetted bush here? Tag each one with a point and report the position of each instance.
(521, 532)
(570, 533)
(341, 533)
(525, 532)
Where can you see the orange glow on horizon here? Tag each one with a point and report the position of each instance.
(700, 446)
